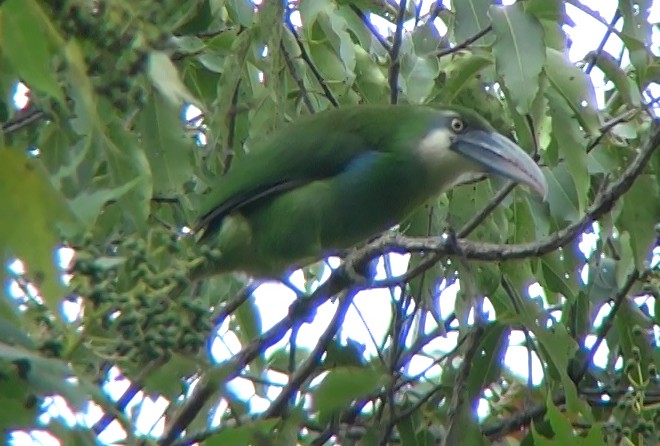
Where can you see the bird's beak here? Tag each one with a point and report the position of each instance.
(499, 155)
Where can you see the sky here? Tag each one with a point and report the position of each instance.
(371, 309)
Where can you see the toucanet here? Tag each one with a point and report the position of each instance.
(331, 180)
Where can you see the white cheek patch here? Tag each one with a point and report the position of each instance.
(434, 148)
(446, 167)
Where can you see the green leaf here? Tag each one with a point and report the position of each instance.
(241, 12)
(254, 432)
(575, 87)
(562, 197)
(460, 72)
(471, 17)
(487, 363)
(556, 277)
(636, 32)
(425, 38)
(168, 149)
(519, 52)
(310, 10)
(168, 380)
(339, 355)
(418, 76)
(563, 430)
(613, 71)
(639, 216)
(128, 163)
(631, 319)
(552, 17)
(429, 220)
(601, 281)
(12, 331)
(554, 10)
(328, 63)
(31, 212)
(16, 411)
(557, 349)
(87, 205)
(165, 77)
(336, 29)
(370, 78)
(45, 376)
(29, 52)
(466, 201)
(572, 146)
(346, 384)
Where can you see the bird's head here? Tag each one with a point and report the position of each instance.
(461, 143)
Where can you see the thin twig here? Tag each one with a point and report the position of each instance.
(601, 46)
(294, 74)
(310, 365)
(374, 31)
(466, 43)
(23, 118)
(231, 125)
(315, 71)
(395, 62)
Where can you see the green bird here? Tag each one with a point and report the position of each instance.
(329, 181)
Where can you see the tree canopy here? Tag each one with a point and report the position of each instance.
(132, 108)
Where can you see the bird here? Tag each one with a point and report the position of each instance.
(328, 181)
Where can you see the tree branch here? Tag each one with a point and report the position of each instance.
(209, 385)
(499, 252)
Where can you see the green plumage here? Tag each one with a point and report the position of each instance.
(329, 181)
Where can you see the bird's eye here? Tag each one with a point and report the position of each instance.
(457, 125)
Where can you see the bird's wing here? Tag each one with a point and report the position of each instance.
(311, 149)
(210, 221)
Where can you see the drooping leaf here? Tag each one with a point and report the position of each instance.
(612, 69)
(639, 216)
(345, 384)
(636, 32)
(31, 216)
(128, 163)
(562, 196)
(255, 432)
(88, 204)
(564, 432)
(165, 77)
(471, 17)
(576, 88)
(168, 150)
(519, 52)
(29, 52)
(571, 145)
(459, 72)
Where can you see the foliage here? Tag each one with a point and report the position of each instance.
(101, 162)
